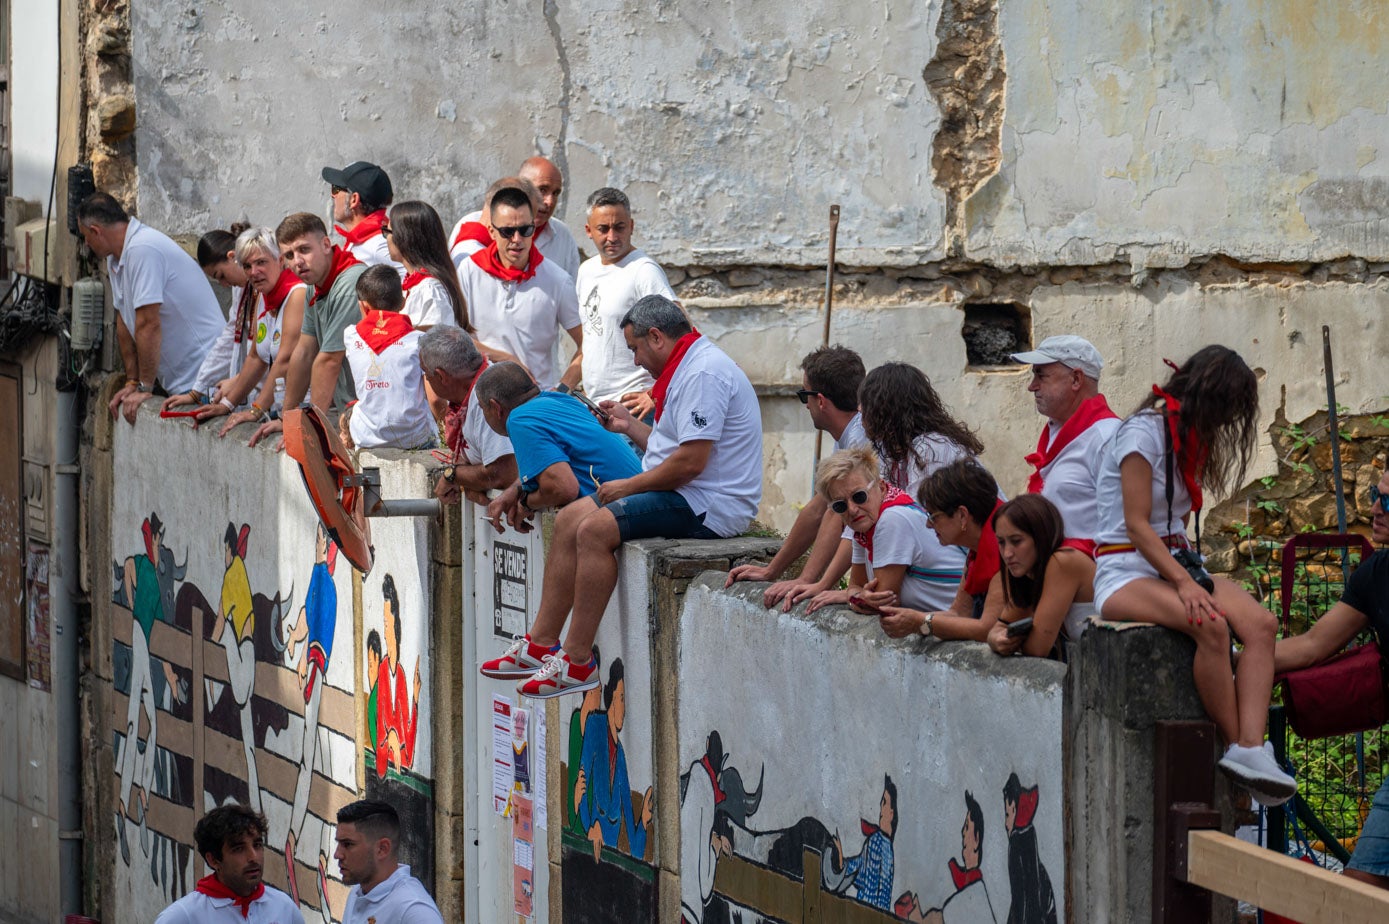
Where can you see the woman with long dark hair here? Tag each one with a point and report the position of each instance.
(415, 237)
(1041, 578)
(217, 259)
(1194, 433)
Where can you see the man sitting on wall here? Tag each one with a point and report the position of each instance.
(231, 840)
(830, 379)
(701, 478)
(1066, 383)
(166, 313)
(562, 451)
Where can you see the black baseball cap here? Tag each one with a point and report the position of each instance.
(366, 180)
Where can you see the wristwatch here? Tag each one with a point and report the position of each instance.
(450, 473)
(522, 495)
(926, 625)
(563, 389)
(142, 386)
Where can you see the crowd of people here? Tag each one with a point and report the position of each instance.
(419, 337)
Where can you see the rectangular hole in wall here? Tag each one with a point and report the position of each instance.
(994, 330)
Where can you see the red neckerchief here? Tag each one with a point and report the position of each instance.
(412, 280)
(472, 231)
(869, 829)
(380, 329)
(1027, 808)
(148, 532)
(893, 496)
(1090, 410)
(982, 564)
(719, 794)
(612, 761)
(1188, 463)
(342, 259)
(241, 541)
(491, 263)
(963, 877)
(457, 415)
(367, 228)
(275, 298)
(248, 295)
(658, 391)
(212, 887)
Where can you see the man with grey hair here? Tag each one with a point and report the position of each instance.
(701, 478)
(609, 284)
(562, 451)
(1066, 385)
(482, 460)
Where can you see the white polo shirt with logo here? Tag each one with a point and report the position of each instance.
(523, 318)
(273, 907)
(153, 270)
(606, 293)
(710, 398)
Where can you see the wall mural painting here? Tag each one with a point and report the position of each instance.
(198, 725)
(728, 861)
(608, 839)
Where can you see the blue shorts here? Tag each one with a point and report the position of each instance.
(1372, 849)
(658, 515)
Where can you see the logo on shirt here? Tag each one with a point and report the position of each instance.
(698, 420)
(275, 340)
(593, 323)
(261, 331)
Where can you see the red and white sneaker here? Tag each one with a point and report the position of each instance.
(560, 676)
(520, 661)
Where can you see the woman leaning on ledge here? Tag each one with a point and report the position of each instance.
(1195, 432)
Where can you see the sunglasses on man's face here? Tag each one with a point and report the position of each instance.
(1379, 500)
(842, 506)
(507, 234)
(805, 395)
(339, 189)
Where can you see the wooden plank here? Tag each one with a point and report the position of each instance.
(1278, 883)
(175, 734)
(197, 689)
(753, 886)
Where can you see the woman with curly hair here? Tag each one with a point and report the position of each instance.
(1194, 433)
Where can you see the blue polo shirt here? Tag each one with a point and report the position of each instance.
(553, 427)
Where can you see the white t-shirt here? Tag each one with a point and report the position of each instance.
(224, 357)
(1069, 480)
(523, 318)
(153, 270)
(392, 409)
(400, 899)
(710, 398)
(465, 248)
(936, 452)
(557, 243)
(853, 435)
(273, 907)
(481, 444)
(1141, 434)
(902, 537)
(606, 292)
(428, 304)
(373, 251)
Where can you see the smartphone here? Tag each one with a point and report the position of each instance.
(1020, 627)
(861, 603)
(592, 406)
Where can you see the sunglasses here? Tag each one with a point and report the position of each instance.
(805, 395)
(387, 230)
(841, 506)
(507, 234)
(1379, 500)
(340, 189)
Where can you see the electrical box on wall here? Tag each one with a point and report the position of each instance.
(17, 212)
(31, 240)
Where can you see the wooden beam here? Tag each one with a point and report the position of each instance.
(1278, 883)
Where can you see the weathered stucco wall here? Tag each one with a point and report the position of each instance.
(249, 662)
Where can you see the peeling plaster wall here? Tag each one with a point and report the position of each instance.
(733, 127)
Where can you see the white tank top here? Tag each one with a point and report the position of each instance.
(267, 332)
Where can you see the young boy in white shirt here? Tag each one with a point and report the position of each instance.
(391, 410)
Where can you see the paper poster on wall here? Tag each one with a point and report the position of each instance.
(502, 769)
(523, 855)
(520, 750)
(509, 600)
(38, 650)
(541, 784)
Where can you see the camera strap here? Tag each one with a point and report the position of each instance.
(1170, 486)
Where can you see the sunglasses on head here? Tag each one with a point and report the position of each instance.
(1379, 500)
(508, 233)
(805, 395)
(841, 506)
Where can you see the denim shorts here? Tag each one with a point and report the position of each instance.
(658, 515)
(1372, 849)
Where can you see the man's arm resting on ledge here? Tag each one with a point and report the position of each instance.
(300, 370)
(809, 523)
(494, 475)
(556, 486)
(680, 468)
(324, 377)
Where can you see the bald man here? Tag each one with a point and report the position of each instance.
(552, 237)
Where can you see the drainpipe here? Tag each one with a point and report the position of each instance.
(64, 591)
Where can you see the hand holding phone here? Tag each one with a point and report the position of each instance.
(592, 406)
(1019, 628)
(856, 600)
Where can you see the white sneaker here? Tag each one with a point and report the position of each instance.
(520, 661)
(1257, 771)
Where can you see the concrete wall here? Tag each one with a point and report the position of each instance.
(235, 708)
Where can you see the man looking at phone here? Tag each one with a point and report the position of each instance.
(562, 451)
(701, 478)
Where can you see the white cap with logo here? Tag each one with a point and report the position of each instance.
(1069, 350)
